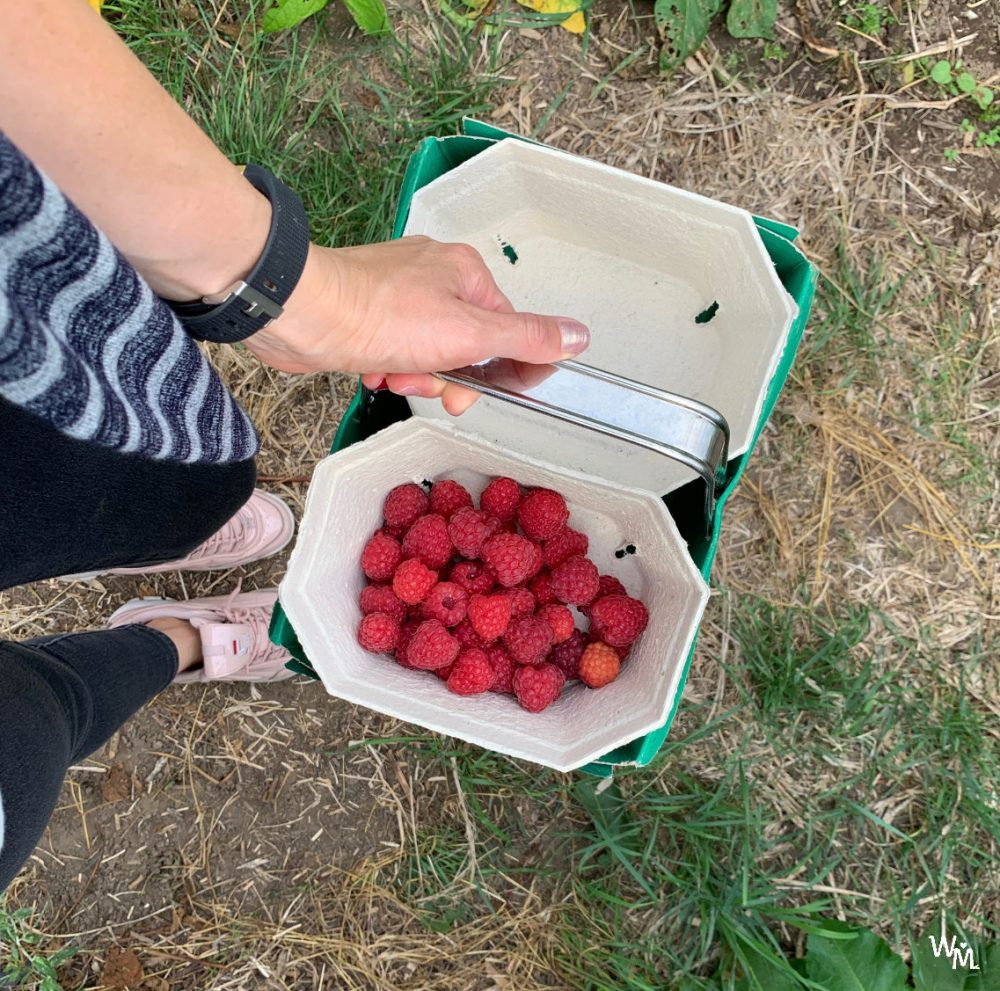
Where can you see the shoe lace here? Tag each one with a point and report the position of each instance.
(258, 618)
(230, 535)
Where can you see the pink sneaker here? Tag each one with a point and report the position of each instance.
(261, 527)
(233, 630)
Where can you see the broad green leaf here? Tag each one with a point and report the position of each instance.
(966, 82)
(752, 18)
(941, 72)
(287, 13)
(760, 973)
(984, 97)
(863, 964)
(935, 973)
(683, 25)
(370, 16)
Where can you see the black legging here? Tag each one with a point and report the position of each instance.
(66, 507)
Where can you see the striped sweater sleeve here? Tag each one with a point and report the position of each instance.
(87, 346)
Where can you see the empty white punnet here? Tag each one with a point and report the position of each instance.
(324, 580)
(677, 289)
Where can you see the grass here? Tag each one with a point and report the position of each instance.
(836, 755)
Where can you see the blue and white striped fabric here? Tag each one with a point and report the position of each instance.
(88, 347)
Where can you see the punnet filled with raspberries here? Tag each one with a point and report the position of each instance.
(493, 594)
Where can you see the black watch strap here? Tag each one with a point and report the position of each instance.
(251, 304)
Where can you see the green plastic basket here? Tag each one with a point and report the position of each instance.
(370, 412)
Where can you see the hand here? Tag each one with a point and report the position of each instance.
(404, 308)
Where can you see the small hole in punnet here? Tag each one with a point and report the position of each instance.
(707, 313)
(426, 483)
(508, 250)
(622, 551)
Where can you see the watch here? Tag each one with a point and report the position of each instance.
(250, 304)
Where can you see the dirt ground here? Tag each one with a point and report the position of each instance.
(259, 812)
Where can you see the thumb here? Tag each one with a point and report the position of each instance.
(531, 337)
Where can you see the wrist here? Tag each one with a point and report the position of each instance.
(218, 262)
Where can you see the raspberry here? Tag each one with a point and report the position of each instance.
(404, 504)
(501, 498)
(522, 602)
(566, 655)
(536, 561)
(466, 635)
(541, 588)
(528, 639)
(378, 632)
(448, 496)
(471, 674)
(503, 667)
(537, 688)
(474, 576)
(446, 602)
(511, 557)
(575, 581)
(606, 585)
(432, 646)
(469, 528)
(490, 615)
(412, 581)
(381, 598)
(618, 619)
(380, 557)
(560, 619)
(396, 532)
(444, 673)
(566, 543)
(428, 539)
(405, 636)
(542, 514)
(599, 665)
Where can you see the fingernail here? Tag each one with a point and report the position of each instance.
(575, 336)
(408, 390)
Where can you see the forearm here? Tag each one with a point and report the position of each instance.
(87, 112)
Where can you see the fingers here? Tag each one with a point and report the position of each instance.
(455, 399)
(529, 336)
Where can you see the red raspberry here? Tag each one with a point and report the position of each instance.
(566, 543)
(560, 619)
(448, 496)
(413, 580)
(575, 581)
(599, 665)
(444, 673)
(405, 636)
(501, 498)
(474, 576)
(504, 668)
(469, 528)
(471, 674)
(511, 557)
(381, 598)
(428, 539)
(542, 514)
(447, 602)
(432, 646)
(566, 655)
(528, 639)
(466, 635)
(522, 602)
(618, 619)
(606, 585)
(490, 615)
(404, 504)
(541, 588)
(378, 632)
(380, 557)
(537, 688)
(536, 561)
(396, 532)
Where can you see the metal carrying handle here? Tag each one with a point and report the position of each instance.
(675, 426)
